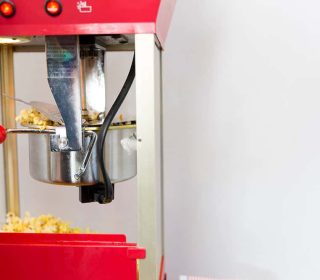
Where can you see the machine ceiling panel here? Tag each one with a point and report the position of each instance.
(89, 17)
(109, 42)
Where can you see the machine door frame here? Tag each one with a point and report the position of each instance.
(149, 147)
(150, 154)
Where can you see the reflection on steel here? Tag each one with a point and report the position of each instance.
(93, 80)
(93, 140)
(30, 131)
(63, 63)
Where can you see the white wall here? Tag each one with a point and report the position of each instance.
(242, 152)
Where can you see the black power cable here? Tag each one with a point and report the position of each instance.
(108, 195)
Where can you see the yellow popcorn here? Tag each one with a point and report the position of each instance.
(93, 116)
(41, 224)
(33, 117)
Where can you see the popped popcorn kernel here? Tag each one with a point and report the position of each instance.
(41, 224)
(31, 116)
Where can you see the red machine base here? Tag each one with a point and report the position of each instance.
(62, 256)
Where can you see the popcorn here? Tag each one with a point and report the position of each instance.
(41, 224)
(93, 116)
(32, 117)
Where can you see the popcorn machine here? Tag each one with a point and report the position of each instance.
(81, 146)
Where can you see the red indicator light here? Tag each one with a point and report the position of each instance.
(53, 8)
(7, 9)
(3, 134)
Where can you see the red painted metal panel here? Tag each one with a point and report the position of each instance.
(75, 256)
(32, 238)
(162, 275)
(88, 17)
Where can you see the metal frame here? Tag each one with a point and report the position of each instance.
(8, 114)
(149, 133)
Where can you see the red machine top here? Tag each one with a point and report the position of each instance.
(33, 18)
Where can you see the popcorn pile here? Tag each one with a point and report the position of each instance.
(41, 224)
(31, 116)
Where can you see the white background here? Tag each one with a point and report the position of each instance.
(242, 139)
(241, 151)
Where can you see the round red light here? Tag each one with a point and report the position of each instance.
(53, 8)
(7, 9)
(3, 134)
